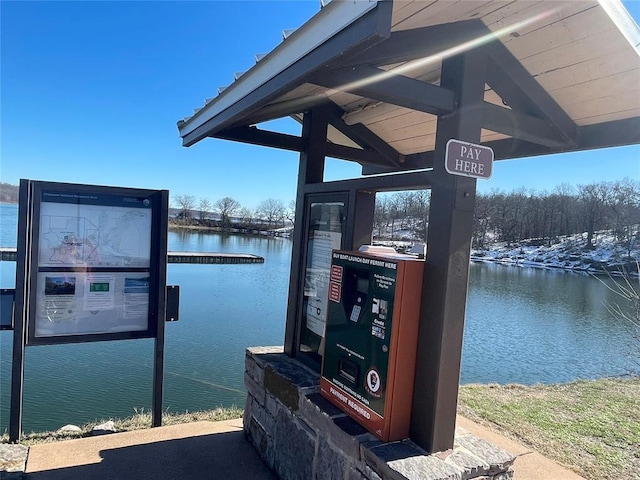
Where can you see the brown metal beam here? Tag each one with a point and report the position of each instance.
(388, 87)
(447, 263)
(518, 89)
(365, 138)
(266, 138)
(419, 43)
(310, 171)
(519, 125)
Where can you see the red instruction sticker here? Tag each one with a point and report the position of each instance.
(336, 273)
(334, 292)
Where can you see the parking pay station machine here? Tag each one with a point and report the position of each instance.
(371, 339)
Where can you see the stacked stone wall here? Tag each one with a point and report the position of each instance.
(302, 436)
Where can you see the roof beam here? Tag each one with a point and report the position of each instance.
(266, 138)
(420, 43)
(519, 125)
(365, 138)
(390, 88)
(518, 89)
(616, 133)
(388, 183)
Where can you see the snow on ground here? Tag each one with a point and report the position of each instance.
(567, 253)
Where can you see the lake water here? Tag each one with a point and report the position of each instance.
(523, 325)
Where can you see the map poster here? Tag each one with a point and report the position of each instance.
(92, 271)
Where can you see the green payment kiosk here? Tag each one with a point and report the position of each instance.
(371, 339)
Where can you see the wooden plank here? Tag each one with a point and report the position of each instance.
(553, 21)
(421, 122)
(489, 136)
(620, 85)
(603, 118)
(417, 144)
(614, 108)
(413, 130)
(446, 11)
(593, 46)
(542, 38)
(579, 72)
(402, 11)
(383, 112)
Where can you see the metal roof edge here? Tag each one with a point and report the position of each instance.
(623, 21)
(331, 19)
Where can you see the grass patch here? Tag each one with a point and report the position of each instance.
(138, 421)
(592, 427)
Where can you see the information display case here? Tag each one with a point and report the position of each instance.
(371, 339)
(95, 265)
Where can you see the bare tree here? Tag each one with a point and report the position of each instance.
(186, 204)
(246, 215)
(205, 207)
(421, 203)
(226, 208)
(593, 201)
(380, 214)
(290, 213)
(625, 212)
(272, 210)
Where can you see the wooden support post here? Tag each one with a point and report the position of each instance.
(447, 262)
(311, 170)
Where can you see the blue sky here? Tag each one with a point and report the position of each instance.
(91, 93)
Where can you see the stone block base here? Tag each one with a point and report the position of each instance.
(301, 435)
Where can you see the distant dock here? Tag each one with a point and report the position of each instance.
(198, 257)
(9, 254)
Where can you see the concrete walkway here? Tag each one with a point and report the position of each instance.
(189, 451)
(210, 450)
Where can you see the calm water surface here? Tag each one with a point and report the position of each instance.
(523, 325)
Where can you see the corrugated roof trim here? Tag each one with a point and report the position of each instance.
(257, 57)
(287, 33)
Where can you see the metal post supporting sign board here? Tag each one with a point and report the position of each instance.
(91, 267)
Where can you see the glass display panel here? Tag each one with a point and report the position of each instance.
(94, 264)
(326, 228)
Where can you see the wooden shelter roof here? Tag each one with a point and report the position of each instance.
(561, 76)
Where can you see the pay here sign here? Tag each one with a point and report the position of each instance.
(468, 159)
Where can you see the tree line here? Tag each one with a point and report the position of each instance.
(227, 212)
(527, 214)
(523, 214)
(498, 217)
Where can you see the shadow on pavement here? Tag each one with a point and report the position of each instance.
(227, 456)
